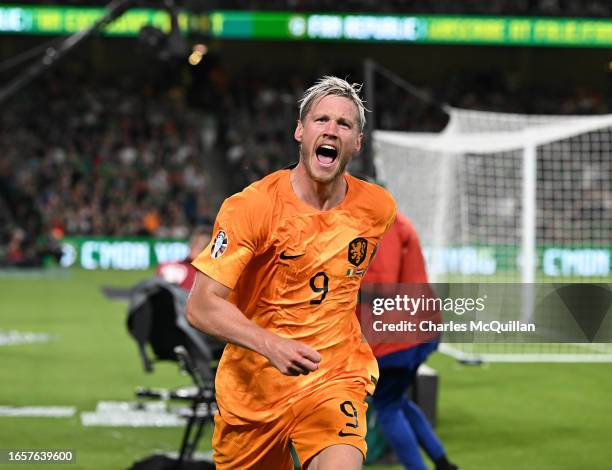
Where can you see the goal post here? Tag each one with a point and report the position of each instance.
(509, 198)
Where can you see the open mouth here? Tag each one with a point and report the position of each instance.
(326, 154)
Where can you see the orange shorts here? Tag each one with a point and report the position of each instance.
(335, 414)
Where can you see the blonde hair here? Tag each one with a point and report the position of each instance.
(334, 86)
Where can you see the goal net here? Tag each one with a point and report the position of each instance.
(508, 198)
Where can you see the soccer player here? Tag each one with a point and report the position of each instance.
(279, 283)
(399, 259)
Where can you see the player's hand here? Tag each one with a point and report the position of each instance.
(292, 357)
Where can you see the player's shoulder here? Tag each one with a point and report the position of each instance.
(374, 197)
(370, 190)
(258, 195)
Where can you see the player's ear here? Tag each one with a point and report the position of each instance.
(298, 131)
(358, 142)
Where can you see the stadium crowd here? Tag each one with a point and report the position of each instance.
(82, 158)
(257, 111)
(85, 159)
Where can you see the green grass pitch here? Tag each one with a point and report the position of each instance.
(495, 416)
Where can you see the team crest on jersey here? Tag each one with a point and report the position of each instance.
(357, 251)
(220, 245)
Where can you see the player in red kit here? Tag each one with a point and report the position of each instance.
(399, 260)
(182, 273)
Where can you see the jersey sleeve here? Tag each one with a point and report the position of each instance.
(389, 210)
(238, 235)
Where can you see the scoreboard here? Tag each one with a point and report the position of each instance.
(423, 29)
(573, 32)
(69, 20)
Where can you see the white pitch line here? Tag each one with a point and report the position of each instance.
(130, 414)
(9, 338)
(37, 411)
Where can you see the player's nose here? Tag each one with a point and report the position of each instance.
(331, 128)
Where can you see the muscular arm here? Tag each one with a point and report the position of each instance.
(209, 311)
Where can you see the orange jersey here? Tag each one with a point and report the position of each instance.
(295, 271)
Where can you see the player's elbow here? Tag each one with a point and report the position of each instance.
(195, 315)
(190, 313)
(205, 302)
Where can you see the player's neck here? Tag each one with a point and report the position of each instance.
(321, 196)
